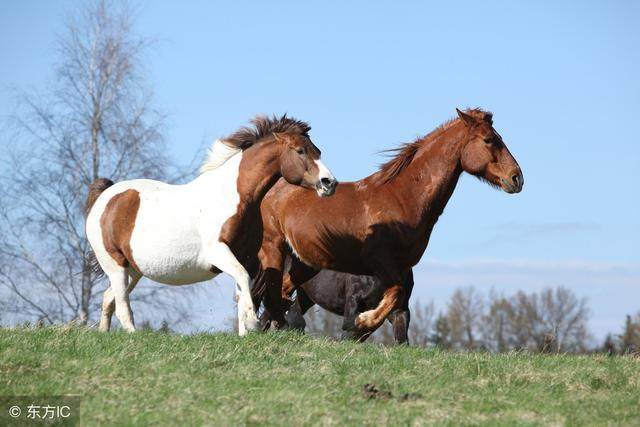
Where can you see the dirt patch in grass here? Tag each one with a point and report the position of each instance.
(371, 391)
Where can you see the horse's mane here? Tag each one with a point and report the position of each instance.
(264, 126)
(403, 155)
(245, 137)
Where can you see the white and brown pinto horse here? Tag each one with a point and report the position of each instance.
(183, 234)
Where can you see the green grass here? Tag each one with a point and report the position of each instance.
(285, 378)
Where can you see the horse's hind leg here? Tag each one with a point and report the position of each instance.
(109, 301)
(119, 279)
(108, 307)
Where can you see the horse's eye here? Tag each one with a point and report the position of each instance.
(300, 150)
(488, 141)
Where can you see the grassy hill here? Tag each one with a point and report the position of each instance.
(285, 379)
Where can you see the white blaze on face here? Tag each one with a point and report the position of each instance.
(323, 173)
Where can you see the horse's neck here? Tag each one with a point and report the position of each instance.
(259, 170)
(250, 174)
(427, 183)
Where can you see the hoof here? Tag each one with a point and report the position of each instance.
(278, 325)
(251, 324)
(363, 321)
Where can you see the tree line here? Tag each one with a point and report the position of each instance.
(553, 320)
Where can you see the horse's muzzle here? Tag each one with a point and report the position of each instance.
(514, 184)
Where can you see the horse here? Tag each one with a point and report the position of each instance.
(347, 295)
(183, 234)
(380, 225)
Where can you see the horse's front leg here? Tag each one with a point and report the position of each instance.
(400, 318)
(380, 261)
(391, 279)
(222, 257)
(371, 320)
(297, 275)
(295, 314)
(267, 287)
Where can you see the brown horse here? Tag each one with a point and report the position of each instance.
(378, 226)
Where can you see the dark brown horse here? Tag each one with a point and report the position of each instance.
(378, 226)
(347, 295)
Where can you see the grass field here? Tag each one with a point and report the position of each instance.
(290, 379)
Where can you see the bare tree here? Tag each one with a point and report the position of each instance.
(441, 336)
(421, 325)
(552, 320)
(464, 314)
(496, 330)
(524, 323)
(609, 346)
(630, 338)
(564, 318)
(96, 119)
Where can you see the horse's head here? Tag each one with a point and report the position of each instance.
(486, 156)
(300, 164)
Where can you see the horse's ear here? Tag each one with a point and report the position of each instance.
(488, 117)
(467, 119)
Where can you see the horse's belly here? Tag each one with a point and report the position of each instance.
(183, 276)
(170, 262)
(167, 248)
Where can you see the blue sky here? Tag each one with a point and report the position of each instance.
(561, 79)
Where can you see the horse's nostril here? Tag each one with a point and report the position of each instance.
(516, 179)
(326, 182)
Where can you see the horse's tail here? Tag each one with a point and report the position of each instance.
(96, 188)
